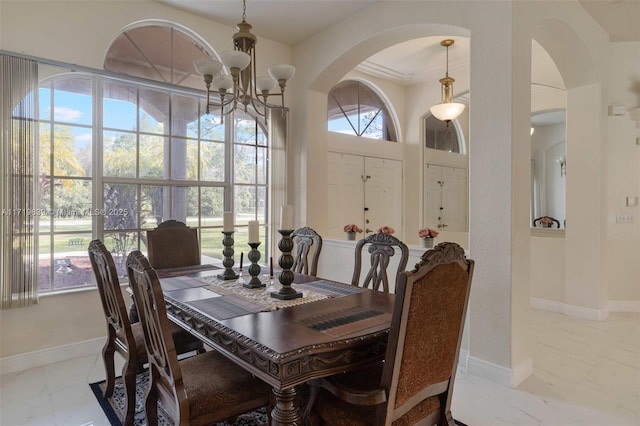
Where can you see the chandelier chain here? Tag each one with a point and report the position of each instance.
(244, 10)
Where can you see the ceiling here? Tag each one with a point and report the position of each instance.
(292, 21)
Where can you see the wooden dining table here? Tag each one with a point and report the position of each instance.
(332, 328)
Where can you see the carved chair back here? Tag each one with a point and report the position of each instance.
(426, 331)
(306, 241)
(546, 222)
(173, 244)
(120, 336)
(382, 247)
(165, 373)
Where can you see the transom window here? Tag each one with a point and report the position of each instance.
(354, 108)
(442, 137)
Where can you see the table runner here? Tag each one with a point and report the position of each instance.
(261, 296)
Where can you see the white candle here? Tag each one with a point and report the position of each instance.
(227, 221)
(254, 235)
(286, 218)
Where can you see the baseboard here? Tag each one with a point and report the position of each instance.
(547, 305)
(623, 306)
(511, 377)
(20, 362)
(570, 310)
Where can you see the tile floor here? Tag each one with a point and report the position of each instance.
(585, 373)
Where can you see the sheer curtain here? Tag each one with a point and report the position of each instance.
(18, 173)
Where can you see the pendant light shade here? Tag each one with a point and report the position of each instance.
(447, 110)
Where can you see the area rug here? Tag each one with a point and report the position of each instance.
(114, 407)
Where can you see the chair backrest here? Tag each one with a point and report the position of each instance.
(382, 247)
(113, 304)
(173, 244)
(165, 371)
(546, 222)
(426, 331)
(306, 241)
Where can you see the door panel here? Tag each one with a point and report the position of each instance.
(383, 194)
(346, 192)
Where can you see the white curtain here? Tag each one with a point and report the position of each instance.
(18, 180)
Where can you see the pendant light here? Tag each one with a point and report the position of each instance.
(447, 110)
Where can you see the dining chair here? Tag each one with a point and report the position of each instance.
(306, 241)
(414, 383)
(199, 390)
(382, 248)
(173, 244)
(125, 337)
(546, 222)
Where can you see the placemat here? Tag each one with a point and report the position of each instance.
(177, 283)
(346, 321)
(330, 288)
(184, 270)
(225, 307)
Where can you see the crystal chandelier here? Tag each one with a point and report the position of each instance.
(242, 87)
(447, 110)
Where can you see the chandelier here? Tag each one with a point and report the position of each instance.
(447, 110)
(242, 87)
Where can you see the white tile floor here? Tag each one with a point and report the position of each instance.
(585, 373)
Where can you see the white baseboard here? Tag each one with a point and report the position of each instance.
(623, 306)
(20, 362)
(570, 310)
(511, 377)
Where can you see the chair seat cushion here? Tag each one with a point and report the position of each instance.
(230, 392)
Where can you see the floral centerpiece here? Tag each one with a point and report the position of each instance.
(386, 230)
(427, 235)
(351, 230)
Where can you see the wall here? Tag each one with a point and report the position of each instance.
(623, 179)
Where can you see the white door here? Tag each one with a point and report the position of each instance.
(346, 192)
(445, 202)
(383, 194)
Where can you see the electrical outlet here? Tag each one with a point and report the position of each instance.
(624, 218)
(632, 201)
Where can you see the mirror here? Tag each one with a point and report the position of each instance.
(548, 169)
(446, 172)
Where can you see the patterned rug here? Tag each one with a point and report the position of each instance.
(114, 407)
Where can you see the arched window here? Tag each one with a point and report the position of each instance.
(159, 156)
(354, 108)
(442, 137)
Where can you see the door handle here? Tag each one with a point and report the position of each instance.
(368, 230)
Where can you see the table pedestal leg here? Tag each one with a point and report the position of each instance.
(285, 411)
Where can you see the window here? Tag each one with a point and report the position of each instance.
(159, 157)
(354, 108)
(442, 137)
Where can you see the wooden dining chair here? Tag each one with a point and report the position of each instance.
(306, 241)
(122, 336)
(546, 222)
(382, 248)
(173, 244)
(200, 390)
(414, 384)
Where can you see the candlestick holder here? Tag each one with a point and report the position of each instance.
(254, 268)
(227, 262)
(286, 262)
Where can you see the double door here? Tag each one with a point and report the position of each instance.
(445, 198)
(366, 191)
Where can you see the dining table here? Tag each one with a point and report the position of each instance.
(331, 328)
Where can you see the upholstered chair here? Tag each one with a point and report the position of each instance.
(307, 243)
(122, 336)
(414, 384)
(201, 390)
(173, 244)
(382, 247)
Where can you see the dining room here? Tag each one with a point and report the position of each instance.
(127, 142)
